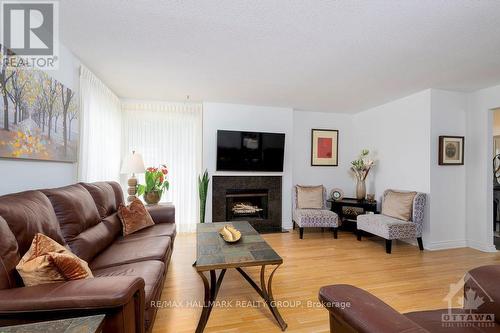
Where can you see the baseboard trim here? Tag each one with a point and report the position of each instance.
(445, 245)
(481, 246)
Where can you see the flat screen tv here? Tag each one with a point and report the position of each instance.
(250, 151)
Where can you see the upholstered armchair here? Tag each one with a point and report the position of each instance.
(308, 214)
(391, 228)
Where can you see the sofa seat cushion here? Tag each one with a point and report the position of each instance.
(315, 218)
(165, 229)
(386, 227)
(151, 271)
(432, 322)
(141, 249)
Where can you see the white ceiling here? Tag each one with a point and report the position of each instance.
(336, 56)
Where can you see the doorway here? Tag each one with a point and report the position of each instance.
(496, 178)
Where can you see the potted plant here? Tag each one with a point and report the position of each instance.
(361, 168)
(203, 181)
(156, 183)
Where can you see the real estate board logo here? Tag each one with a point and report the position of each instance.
(470, 301)
(30, 34)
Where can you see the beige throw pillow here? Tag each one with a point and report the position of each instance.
(309, 197)
(47, 262)
(398, 205)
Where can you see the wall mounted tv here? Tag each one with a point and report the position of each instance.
(250, 151)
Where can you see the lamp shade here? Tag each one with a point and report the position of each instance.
(133, 164)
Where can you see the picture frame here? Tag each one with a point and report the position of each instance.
(324, 147)
(451, 150)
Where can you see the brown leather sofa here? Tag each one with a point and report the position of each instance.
(368, 314)
(129, 271)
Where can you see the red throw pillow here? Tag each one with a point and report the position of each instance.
(134, 217)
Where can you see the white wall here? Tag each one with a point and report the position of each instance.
(20, 175)
(479, 183)
(398, 135)
(331, 177)
(447, 192)
(218, 116)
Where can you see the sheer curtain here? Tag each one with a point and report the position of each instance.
(171, 134)
(100, 146)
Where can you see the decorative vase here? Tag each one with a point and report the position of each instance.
(153, 197)
(361, 190)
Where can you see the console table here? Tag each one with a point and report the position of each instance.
(348, 209)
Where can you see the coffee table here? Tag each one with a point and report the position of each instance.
(213, 253)
(90, 324)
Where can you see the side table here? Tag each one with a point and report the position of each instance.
(348, 210)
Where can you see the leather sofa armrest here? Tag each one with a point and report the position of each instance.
(162, 213)
(94, 293)
(355, 310)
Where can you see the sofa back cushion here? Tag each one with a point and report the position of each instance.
(95, 239)
(9, 256)
(104, 197)
(75, 210)
(118, 193)
(28, 213)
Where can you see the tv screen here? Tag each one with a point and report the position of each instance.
(250, 151)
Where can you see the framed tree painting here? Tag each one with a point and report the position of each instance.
(451, 150)
(324, 147)
(39, 116)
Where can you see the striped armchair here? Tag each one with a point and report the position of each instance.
(314, 218)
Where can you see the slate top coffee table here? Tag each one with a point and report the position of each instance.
(213, 253)
(90, 324)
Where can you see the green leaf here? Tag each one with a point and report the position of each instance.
(141, 189)
(203, 181)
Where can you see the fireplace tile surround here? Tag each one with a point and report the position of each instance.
(259, 199)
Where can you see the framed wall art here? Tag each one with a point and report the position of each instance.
(451, 150)
(324, 147)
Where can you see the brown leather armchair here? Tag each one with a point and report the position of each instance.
(355, 310)
(128, 271)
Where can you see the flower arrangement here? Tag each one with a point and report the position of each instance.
(361, 167)
(156, 183)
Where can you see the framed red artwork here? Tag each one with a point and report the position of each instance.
(324, 147)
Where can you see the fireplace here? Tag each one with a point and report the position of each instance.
(244, 205)
(256, 199)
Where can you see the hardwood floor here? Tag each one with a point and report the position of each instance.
(407, 279)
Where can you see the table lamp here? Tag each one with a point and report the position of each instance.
(131, 165)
